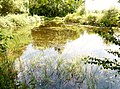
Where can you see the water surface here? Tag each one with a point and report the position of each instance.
(51, 44)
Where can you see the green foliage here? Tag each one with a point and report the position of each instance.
(110, 18)
(6, 6)
(7, 73)
(118, 22)
(3, 42)
(13, 6)
(81, 8)
(13, 21)
(106, 63)
(81, 11)
(72, 18)
(91, 20)
(11, 46)
(52, 8)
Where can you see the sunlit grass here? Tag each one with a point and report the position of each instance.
(15, 38)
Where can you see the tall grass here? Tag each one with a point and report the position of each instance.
(7, 73)
(15, 30)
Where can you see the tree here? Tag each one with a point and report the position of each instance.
(52, 8)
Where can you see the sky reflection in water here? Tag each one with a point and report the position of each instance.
(85, 45)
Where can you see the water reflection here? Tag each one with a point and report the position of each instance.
(48, 45)
(71, 43)
(89, 45)
(47, 38)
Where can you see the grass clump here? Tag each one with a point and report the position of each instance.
(7, 72)
(11, 46)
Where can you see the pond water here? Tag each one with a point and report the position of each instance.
(50, 46)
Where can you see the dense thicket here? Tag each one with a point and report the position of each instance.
(52, 8)
(13, 6)
(110, 18)
(49, 8)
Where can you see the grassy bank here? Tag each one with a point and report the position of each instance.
(104, 19)
(15, 34)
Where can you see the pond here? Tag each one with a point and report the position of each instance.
(53, 60)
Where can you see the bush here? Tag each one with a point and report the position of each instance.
(7, 6)
(81, 10)
(7, 75)
(110, 18)
(14, 21)
(91, 20)
(11, 46)
(13, 6)
(52, 8)
(72, 18)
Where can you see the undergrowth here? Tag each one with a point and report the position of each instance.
(13, 21)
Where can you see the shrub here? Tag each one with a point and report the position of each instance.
(91, 20)
(52, 8)
(7, 75)
(20, 20)
(13, 6)
(110, 18)
(72, 18)
(81, 10)
(7, 6)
